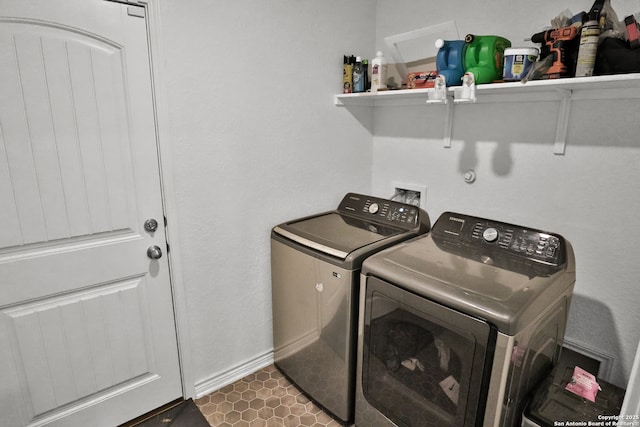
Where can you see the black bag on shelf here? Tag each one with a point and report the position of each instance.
(616, 56)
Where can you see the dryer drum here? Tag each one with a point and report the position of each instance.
(418, 357)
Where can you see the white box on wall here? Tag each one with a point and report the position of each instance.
(420, 189)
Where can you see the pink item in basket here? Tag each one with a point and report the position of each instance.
(583, 384)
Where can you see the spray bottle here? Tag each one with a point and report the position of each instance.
(588, 49)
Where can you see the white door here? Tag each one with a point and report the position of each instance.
(87, 334)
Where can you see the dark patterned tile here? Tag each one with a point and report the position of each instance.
(263, 399)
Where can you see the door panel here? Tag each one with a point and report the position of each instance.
(86, 343)
(66, 146)
(87, 335)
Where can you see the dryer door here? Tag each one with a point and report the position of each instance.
(423, 361)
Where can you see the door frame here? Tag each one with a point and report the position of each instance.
(163, 141)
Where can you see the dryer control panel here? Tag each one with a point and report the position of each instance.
(383, 210)
(501, 238)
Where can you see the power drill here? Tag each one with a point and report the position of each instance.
(563, 44)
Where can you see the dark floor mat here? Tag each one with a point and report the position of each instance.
(186, 414)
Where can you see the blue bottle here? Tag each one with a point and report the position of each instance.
(450, 60)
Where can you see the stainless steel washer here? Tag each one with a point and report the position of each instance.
(315, 266)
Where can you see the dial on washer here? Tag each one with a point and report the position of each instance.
(490, 234)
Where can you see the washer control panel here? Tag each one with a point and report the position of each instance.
(514, 240)
(383, 210)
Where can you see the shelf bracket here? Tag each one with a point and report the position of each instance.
(467, 92)
(438, 94)
(448, 125)
(562, 125)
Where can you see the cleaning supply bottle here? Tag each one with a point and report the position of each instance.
(378, 72)
(367, 80)
(347, 75)
(589, 36)
(450, 60)
(484, 57)
(358, 76)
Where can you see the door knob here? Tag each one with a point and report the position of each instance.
(154, 252)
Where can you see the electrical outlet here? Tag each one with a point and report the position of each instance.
(415, 194)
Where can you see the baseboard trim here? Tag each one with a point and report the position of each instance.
(217, 381)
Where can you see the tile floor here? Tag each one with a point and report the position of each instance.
(263, 399)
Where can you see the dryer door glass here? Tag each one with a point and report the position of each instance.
(423, 361)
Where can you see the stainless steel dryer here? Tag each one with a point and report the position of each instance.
(459, 325)
(315, 266)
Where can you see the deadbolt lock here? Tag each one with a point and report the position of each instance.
(151, 225)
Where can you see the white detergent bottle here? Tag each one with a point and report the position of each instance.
(378, 73)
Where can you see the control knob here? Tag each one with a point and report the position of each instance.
(373, 208)
(490, 235)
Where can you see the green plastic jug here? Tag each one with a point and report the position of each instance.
(484, 57)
